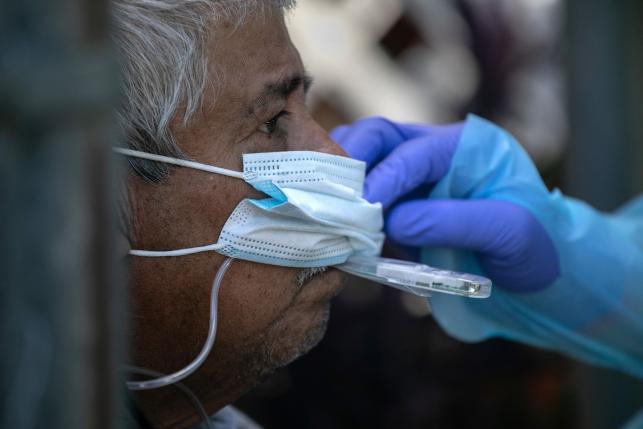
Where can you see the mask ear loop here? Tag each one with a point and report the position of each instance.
(177, 252)
(207, 347)
(180, 162)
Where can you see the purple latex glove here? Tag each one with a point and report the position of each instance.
(404, 161)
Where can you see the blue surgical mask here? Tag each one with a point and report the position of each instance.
(315, 214)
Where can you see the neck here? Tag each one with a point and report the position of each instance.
(169, 407)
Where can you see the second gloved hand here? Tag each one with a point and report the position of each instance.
(405, 160)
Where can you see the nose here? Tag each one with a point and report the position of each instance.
(314, 137)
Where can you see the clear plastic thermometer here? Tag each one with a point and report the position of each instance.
(418, 279)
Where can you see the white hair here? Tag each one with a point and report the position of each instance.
(161, 51)
(160, 46)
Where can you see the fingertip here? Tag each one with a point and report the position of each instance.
(370, 193)
(367, 194)
(406, 221)
(338, 133)
(377, 190)
(369, 139)
(395, 225)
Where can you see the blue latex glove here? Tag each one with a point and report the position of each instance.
(594, 308)
(512, 247)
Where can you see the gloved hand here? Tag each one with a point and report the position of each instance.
(404, 160)
(486, 196)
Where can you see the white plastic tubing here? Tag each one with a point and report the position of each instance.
(207, 347)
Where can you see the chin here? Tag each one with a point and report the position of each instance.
(310, 338)
(295, 333)
(304, 326)
(282, 344)
(298, 330)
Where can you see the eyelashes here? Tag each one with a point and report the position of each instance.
(269, 127)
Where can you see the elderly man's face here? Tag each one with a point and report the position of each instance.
(266, 317)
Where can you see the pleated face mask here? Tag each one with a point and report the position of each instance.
(314, 215)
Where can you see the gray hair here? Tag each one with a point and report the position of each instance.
(161, 50)
(160, 46)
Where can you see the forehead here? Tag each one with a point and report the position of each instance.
(245, 58)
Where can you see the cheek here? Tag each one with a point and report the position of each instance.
(253, 296)
(189, 210)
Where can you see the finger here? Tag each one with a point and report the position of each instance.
(420, 161)
(477, 225)
(514, 248)
(338, 133)
(369, 139)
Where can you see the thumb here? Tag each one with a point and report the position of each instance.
(513, 248)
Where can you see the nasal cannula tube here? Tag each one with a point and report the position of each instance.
(418, 279)
(207, 347)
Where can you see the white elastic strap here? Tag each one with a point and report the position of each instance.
(181, 162)
(177, 252)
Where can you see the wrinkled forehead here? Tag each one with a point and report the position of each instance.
(244, 59)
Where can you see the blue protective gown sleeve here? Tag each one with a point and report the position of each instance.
(594, 310)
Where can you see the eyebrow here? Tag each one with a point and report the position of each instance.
(280, 90)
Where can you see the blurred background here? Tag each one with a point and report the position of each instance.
(564, 76)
